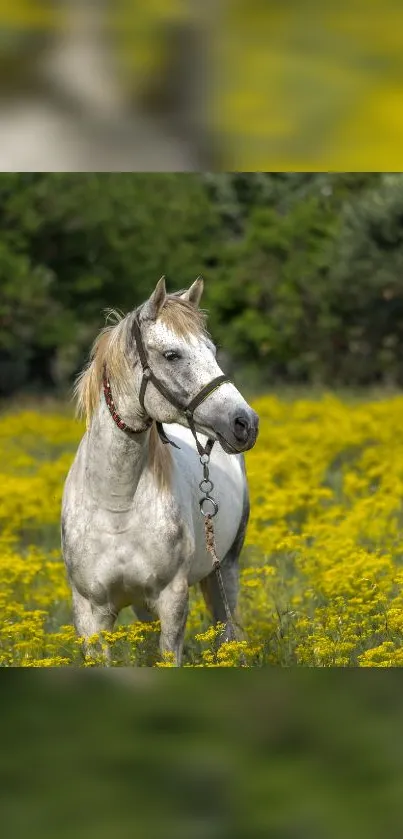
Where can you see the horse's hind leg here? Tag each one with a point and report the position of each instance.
(172, 608)
(90, 619)
(212, 594)
(230, 576)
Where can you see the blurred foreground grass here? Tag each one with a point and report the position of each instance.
(289, 754)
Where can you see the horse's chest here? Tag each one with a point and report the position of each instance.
(140, 548)
(143, 530)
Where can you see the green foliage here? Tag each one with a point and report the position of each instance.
(84, 242)
(274, 277)
(302, 269)
(365, 284)
(309, 278)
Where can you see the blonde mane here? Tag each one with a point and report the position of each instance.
(110, 350)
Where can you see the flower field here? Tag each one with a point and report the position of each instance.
(322, 572)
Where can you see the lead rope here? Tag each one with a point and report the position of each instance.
(206, 486)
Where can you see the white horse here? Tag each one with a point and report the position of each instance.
(132, 529)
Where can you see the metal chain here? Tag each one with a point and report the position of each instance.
(206, 487)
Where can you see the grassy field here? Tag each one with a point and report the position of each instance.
(321, 577)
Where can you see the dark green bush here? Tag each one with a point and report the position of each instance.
(303, 271)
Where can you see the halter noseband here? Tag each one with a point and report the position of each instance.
(149, 376)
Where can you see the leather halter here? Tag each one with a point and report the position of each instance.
(149, 376)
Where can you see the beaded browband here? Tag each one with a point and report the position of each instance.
(114, 414)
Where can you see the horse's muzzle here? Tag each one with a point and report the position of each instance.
(241, 433)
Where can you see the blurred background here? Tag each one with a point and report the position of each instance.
(288, 754)
(116, 85)
(303, 272)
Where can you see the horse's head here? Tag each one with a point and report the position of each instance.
(182, 359)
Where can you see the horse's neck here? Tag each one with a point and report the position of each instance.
(114, 461)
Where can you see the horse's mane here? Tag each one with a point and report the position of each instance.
(110, 349)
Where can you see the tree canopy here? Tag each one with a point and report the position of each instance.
(302, 270)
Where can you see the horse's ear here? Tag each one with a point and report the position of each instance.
(154, 304)
(194, 293)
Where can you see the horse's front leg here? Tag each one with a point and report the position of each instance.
(172, 607)
(90, 619)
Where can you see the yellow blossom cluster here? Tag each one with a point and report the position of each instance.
(321, 570)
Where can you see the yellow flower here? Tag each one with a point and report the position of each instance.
(321, 581)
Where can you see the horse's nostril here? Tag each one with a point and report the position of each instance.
(241, 428)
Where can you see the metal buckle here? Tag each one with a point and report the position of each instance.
(214, 504)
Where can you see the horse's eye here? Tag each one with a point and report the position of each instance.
(171, 355)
